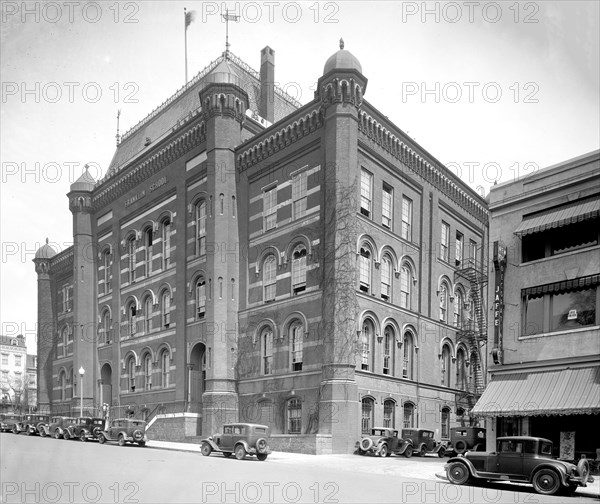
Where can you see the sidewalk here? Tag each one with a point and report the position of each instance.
(430, 468)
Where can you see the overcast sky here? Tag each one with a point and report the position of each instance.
(493, 89)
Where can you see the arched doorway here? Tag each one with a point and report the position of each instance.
(106, 384)
(197, 373)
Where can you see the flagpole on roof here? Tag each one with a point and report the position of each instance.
(228, 17)
(188, 17)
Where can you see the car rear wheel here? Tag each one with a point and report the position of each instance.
(66, 435)
(29, 432)
(383, 451)
(546, 481)
(57, 434)
(408, 452)
(15, 430)
(261, 456)
(82, 437)
(121, 440)
(205, 449)
(422, 451)
(458, 473)
(96, 432)
(442, 452)
(460, 446)
(583, 469)
(101, 439)
(240, 452)
(42, 432)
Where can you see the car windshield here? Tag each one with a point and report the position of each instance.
(545, 448)
(138, 424)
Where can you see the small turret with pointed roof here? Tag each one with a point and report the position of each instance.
(80, 198)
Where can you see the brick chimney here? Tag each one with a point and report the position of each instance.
(266, 108)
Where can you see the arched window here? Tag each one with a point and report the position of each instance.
(445, 423)
(131, 320)
(147, 372)
(269, 278)
(364, 267)
(148, 314)
(444, 302)
(388, 350)
(409, 415)
(407, 361)
(294, 416)
(266, 340)
(368, 412)
(166, 243)
(131, 373)
(299, 269)
(148, 250)
(296, 343)
(445, 371)
(389, 414)
(107, 270)
(458, 306)
(105, 328)
(62, 382)
(368, 331)
(201, 228)
(64, 336)
(386, 278)
(200, 298)
(461, 369)
(405, 285)
(164, 368)
(131, 259)
(166, 308)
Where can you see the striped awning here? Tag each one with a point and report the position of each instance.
(558, 217)
(570, 391)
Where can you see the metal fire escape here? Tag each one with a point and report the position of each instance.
(474, 332)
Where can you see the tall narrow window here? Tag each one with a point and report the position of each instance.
(294, 415)
(365, 268)
(299, 195)
(270, 208)
(269, 278)
(107, 271)
(445, 242)
(148, 315)
(458, 306)
(407, 360)
(164, 368)
(106, 329)
(201, 228)
(166, 243)
(147, 372)
(267, 350)
(459, 246)
(406, 231)
(200, 298)
(461, 370)
(444, 303)
(296, 334)
(386, 206)
(366, 338)
(388, 348)
(148, 251)
(405, 283)
(409, 415)
(131, 260)
(299, 269)
(131, 373)
(166, 308)
(445, 423)
(472, 252)
(131, 321)
(366, 184)
(386, 278)
(445, 370)
(62, 380)
(389, 414)
(367, 415)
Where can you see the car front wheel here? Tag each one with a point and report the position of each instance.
(442, 452)
(422, 452)
(205, 449)
(101, 439)
(121, 440)
(458, 473)
(383, 451)
(42, 432)
(240, 452)
(57, 434)
(546, 481)
(82, 437)
(261, 456)
(408, 452)
(15, 430)
(66, 435)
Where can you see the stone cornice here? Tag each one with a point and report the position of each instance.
(63, 260)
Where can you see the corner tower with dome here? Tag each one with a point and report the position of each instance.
(250, 258)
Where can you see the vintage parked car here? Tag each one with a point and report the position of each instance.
(522, 459)
(383, 441)
(34, 423)
(58, 426)
(423, 442)
(124, 430)
(465, 438)
(239, 438)
(85, 428)
(9, 422)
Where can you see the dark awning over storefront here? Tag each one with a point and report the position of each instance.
(571, 391)
(566, 214)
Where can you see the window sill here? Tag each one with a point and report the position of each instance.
(560, 333)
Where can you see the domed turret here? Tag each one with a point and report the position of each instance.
(45, 251)
(223, 73)
(342, 60)
(84, 183)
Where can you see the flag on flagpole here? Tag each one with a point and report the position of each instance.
(230, 17)
(189, 17)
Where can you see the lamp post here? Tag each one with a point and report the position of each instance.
(81, 373)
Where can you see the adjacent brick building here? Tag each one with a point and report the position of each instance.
(248, 257)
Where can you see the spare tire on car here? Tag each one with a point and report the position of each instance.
(366, 444)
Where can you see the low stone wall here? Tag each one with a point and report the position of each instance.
(313, 444)
(178, 427)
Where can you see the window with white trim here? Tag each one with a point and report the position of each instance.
(409, 415)
(443, 303)
(299, 269)
(147, 372)
(299, 183)
(445, 242)
(296, 342)
(200, 298)
(389, 414)
(459, 246)
(201, 228)
(107, 271)
(388, 350)
(407, 209)
(266, 339)
(269, 279)
(148, 250)
(407, 360)
(386, 206)
(166, 308)
(458, 307)
(368, 331)
(367, 413)
(445, 423)
(445, 366)
(131, 319)
(386, 278)
(294, 416)
(366, 189)
(164, 368)
(364, 267)
(131, 258)
(270, 208)
(166, 243)
(148, 315)
(131, 373)
(405, 286)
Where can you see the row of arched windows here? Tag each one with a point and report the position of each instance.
(269, 265)
(148, 373)
(462, 376)
(294, 331)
